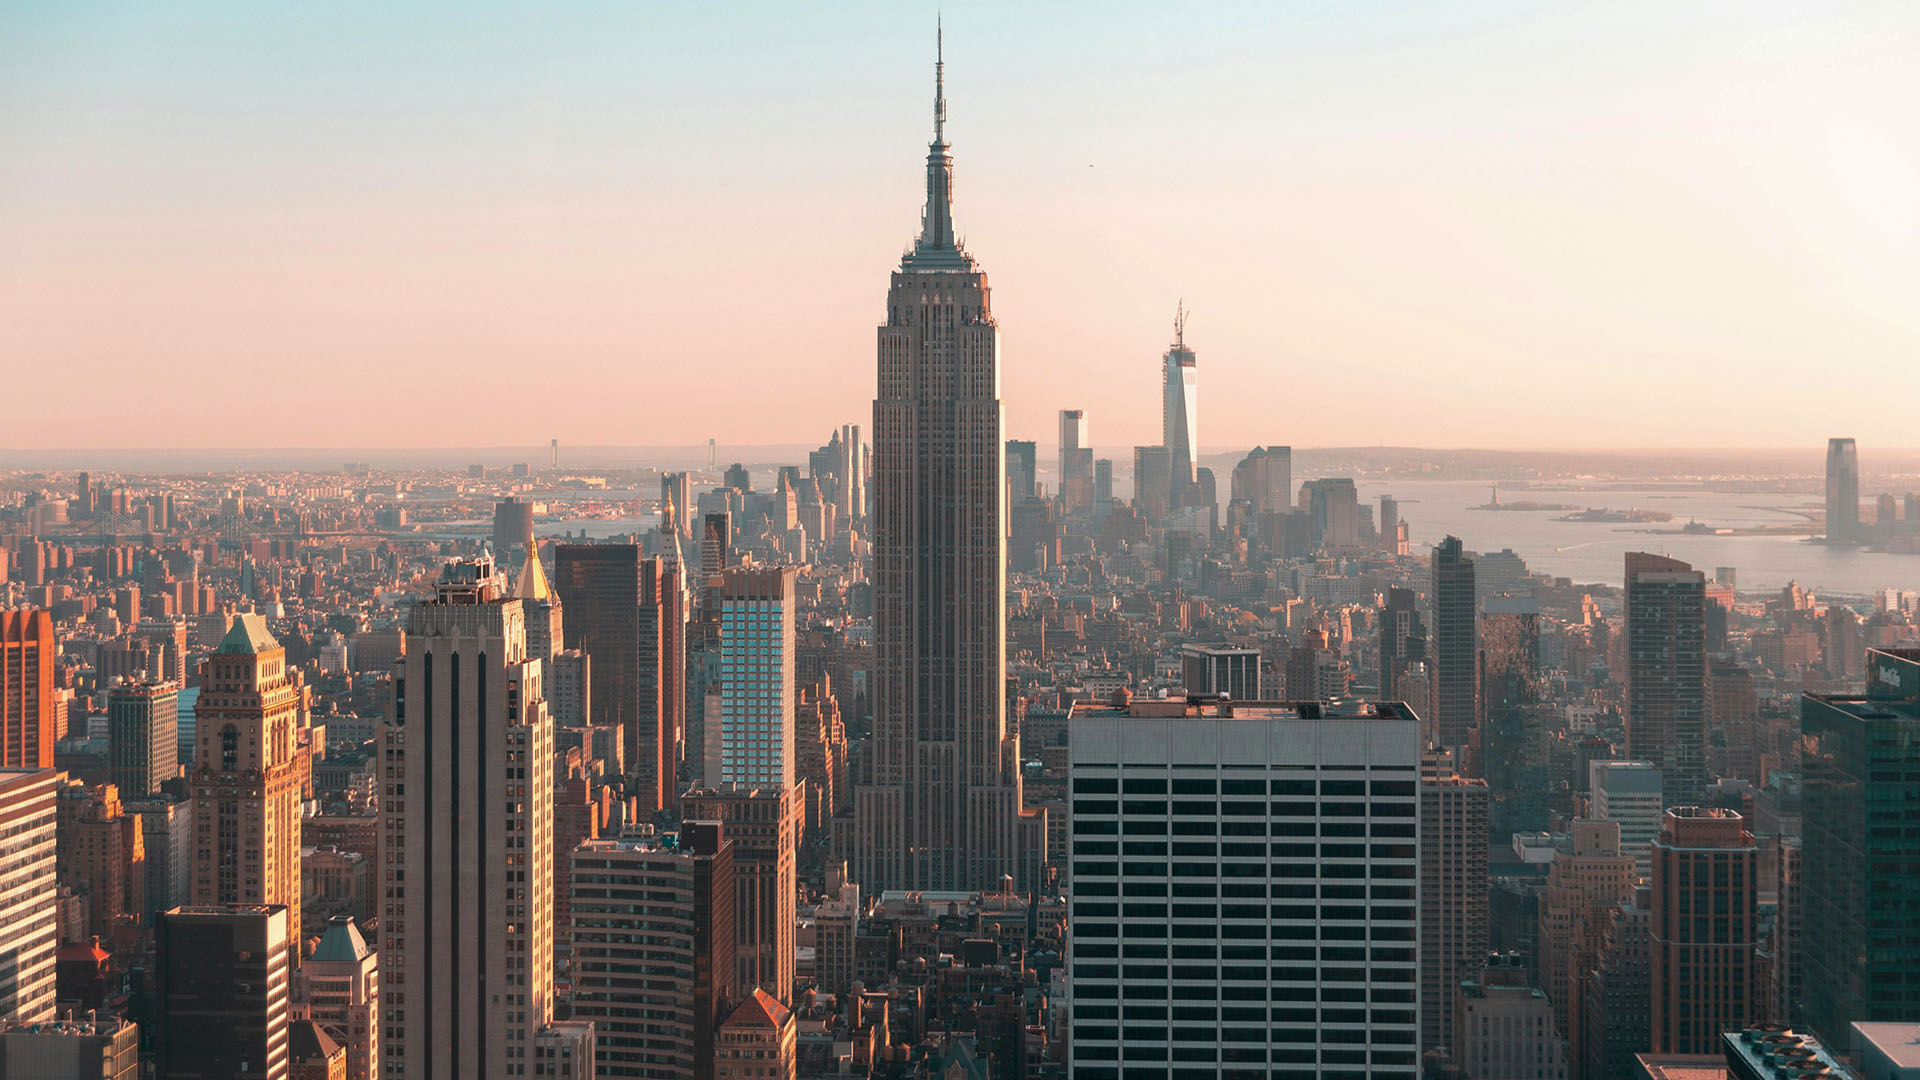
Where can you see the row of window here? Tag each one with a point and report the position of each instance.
(1154, 785)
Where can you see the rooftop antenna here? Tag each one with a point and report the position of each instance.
(939, 80)
(1180, 325)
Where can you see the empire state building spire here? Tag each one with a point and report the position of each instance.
(936, 223)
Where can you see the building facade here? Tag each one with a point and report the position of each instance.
(466, 815)
(1859, 936)
(248, 773)
(1703, 934)
(653, 938)
(1666, 671)
(143, 749)
(1455, 660)
(29, 887)
(224, 975)
(27, 658)
(938, 804)
(1263, 910)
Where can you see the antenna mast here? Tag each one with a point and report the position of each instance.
(939, 81)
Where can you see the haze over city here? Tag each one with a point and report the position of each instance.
(1461, 224)
(531, 545)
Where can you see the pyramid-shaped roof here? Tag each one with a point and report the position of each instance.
(247, 636)
(342, 943)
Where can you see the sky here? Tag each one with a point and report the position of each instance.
(1423, 224)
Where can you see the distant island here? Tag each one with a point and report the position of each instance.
(1603, 515)
(1524, 505)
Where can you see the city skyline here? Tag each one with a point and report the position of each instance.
(555, 219)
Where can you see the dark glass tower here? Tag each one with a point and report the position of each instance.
(1456, 650)
(1666, 671)
(1860, 942)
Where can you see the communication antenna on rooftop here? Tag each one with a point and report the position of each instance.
(1180, 324)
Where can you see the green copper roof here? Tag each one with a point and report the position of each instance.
(248, 635)
(341, 944)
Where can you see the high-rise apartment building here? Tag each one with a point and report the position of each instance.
(466, 818)
(752, 746)
(1453, 892)
(653, 939)
(1263, 908)
(224, 980)
(27, 658)
(1666, 671)
(1859, 898)
(1403, 642)
(763, 825)
(143, 748)
(29, 888)
(1456, 653)
(939, 802)
(1629, 793)
(1703, 974)
(247, 776)
(338, 988)
(1180, 411)
(1843, 492)
(623, 612)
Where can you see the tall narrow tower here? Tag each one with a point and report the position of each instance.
(1180, 418)
(466, 957)
(940, 798)
(1843, 492)
(247, 776)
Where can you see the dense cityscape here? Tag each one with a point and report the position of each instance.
(951, 752)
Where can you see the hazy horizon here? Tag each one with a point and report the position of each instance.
(1468, 224)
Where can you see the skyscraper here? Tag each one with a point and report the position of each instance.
(940, 801)
(247, 776)
(1152, 481)
(1279, 833)
(143, 749)
(1704, 931)
(1076, 461)
(676, 491)
(1456, 652)
(1666, 671)
(466, 959)
(753, 743)
(1843, 492)
(29, 886)
(763, 826)
(1859, 941)
(1403, 642)
(621, 610)
(1453, 893)
(1179, 411)
(224, 981)
(1020, 469)
(665, 906)
(27, 657)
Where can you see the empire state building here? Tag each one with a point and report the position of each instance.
(939, 802)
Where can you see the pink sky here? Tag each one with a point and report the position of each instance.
(1460, 226)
